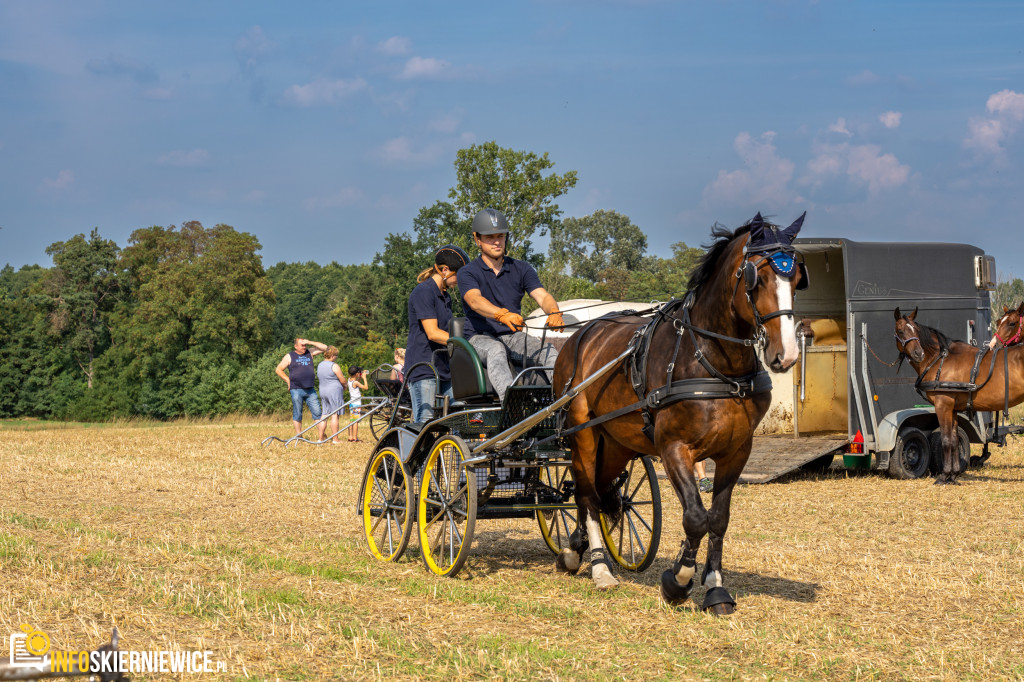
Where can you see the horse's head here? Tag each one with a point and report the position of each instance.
(768, 275)
(908, 339)
(1009, 330)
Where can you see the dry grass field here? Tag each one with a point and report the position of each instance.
(192, 536)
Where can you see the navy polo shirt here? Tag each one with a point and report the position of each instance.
(427, 302)
(505, 290)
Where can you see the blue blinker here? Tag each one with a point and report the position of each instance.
(783, 263)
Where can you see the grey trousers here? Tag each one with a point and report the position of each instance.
(493, 354)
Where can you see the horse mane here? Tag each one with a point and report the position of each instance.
(934, 340)
(722, 236)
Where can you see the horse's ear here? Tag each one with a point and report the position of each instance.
(912, 315)
(1005, 310)
(896, 313)
(756, 228)
(793, 229)
(1020, 308)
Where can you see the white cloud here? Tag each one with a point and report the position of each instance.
(865, 77)
(446, 124)
(988, 135)
(423, 67)
(253, 47)
(323, 91)
(840, 127)
(64, 179)
(401, 150)
(864, 164)
(763, 182)
(180, 159)
(346, 196)
(395, 46)
(122, 65)
(891, 119)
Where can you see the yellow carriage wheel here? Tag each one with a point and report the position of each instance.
(556, 525)
(633, 541)
(447, 507)
(387, 505)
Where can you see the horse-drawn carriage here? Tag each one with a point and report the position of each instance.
(484, 459)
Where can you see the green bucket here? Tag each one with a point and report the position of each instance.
(857, 461)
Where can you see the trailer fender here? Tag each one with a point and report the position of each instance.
(920, 417)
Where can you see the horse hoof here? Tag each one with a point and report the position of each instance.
(605, 583)
(719, 602)
(941, 480)
(568, 561)
(671, 591)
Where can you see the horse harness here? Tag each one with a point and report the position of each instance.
(970, 387)
(718, 385)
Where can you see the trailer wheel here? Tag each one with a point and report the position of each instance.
(912, 454)
(963, 444)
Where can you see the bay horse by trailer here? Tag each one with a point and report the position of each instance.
(708, 392)
(957, 377)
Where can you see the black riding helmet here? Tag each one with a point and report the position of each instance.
(490, 221)
(451, 255)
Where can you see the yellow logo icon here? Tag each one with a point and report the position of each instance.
(37, 642)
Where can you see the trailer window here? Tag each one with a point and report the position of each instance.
(985, 272)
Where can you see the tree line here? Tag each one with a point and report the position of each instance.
(187, 321)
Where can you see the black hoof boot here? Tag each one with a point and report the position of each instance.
(719, 602)
(942, 480)
(671, 591)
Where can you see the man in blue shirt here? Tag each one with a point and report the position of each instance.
(492, 288)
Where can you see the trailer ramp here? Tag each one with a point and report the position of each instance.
(775, 455)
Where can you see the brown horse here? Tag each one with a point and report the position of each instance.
(700, 354)
(1009, 330)
(944, 371)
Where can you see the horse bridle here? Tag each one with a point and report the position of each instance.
(747, 273)
(1016, 338)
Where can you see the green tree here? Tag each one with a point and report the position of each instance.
(82, 287)
(597, 242)
(201, 296)
(1009, 293)
(305, 293)
(489, 176)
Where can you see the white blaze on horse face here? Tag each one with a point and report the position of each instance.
(784, 292)
(910, 326)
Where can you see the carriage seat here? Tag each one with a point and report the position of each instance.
(469, 377)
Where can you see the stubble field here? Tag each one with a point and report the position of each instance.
(193, 537)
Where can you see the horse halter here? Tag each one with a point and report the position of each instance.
(1016, 338)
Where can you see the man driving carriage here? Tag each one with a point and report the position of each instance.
(492, 288)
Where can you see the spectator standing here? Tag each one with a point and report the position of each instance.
(332, 389)
(356, 385)
(300, 379)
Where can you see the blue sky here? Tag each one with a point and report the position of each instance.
(321, 127)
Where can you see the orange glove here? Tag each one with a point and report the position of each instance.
(555, 320)
(513, 321)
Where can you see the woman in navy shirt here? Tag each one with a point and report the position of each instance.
(430, 311)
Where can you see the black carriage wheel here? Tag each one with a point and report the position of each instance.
(911, 455)
(633, 541)
(447, 507)
(387, 505)
(935, 445)
(379, 420)
(556, 525)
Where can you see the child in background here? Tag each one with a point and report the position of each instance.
(398, 369)
(355, 396)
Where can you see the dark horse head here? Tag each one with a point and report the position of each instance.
(765, 276)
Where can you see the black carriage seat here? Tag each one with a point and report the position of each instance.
(469, 377)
